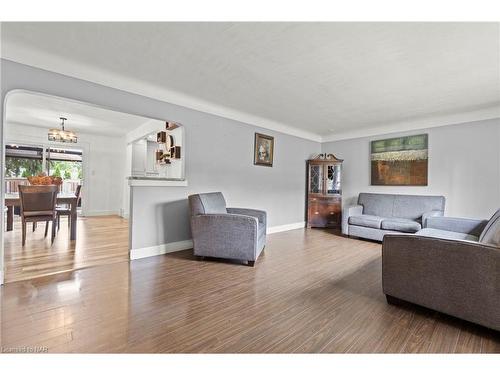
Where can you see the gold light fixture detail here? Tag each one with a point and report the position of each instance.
(62, 135)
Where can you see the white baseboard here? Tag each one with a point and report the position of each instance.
(165, 248)
(151, 251)
(123, 213)
(1, 277)
(285, 227)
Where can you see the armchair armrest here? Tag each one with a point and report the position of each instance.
(225, 236)
(346, 213)
(457, 224)
(427, 215)
(455, 277)
(259, 214)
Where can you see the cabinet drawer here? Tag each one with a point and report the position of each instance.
(325, 200)
(317, 221)
(323, 214)
(333, 209)
(315, 215)
(314, 200)
(314, 209)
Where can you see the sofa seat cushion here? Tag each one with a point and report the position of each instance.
(401, 225)
(447, 235)
(369, 221)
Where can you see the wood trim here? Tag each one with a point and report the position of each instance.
(327, 158)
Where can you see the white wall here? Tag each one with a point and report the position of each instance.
(464, 166)
(219, 157)
(464, 161)
(104, 165)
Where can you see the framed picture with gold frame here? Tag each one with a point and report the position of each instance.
(263, 150)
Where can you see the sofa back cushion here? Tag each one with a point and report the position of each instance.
(414, 206)
(376, 204)
(207, 203)
(403, 206)
(491, 233)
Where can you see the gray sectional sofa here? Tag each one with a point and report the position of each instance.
(452, 266)
(378, 214)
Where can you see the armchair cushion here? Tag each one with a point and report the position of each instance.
(429, 214)
(491, 233)
(457, 224)
(438, 233)
(259, 214)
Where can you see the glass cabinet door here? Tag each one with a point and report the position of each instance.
(333, 179)
(315, 179)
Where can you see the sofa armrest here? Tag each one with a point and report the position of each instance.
(459, 278)
(427, 215)
(225, 236)
(457, 224)
(259, 214)
(346, 213)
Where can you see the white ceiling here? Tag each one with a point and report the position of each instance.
(44, 111)
(321, 81)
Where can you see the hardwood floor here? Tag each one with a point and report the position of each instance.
(312, 291)
(101, 240)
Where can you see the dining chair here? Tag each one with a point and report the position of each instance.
(38, 203)
(66, 209)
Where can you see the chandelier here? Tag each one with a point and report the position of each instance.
(62, 135)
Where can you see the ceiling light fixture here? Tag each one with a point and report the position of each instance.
(62, 135)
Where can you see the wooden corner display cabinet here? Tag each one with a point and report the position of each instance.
(324, 192)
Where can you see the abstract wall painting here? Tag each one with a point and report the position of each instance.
(400, 161)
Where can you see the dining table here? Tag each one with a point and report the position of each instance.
(12, 200)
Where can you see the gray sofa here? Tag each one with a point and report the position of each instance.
(222, 232)
(378, 214)
(452, 266)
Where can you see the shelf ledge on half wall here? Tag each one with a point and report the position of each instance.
(155, 181)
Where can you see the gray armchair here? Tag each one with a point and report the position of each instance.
(222, 232)
(452, 266)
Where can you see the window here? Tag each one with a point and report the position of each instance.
(23, 161)
(64, 163)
